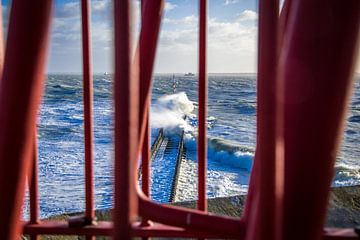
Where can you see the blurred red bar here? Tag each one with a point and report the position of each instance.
(150, 28)
(145, 151)
(317, 64)
(88, 102)
(203, 88)
(262, 223)
(2, 50)
(145, 160)
(34, 192)
(20, 94)
(126, 122)
(88, 99)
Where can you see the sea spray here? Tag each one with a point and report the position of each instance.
(169, 112)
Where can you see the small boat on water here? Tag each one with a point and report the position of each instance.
(189, 74)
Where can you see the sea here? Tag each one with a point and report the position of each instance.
(231, 126)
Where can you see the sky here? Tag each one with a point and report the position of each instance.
(232, 36)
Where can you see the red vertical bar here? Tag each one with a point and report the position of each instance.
(2, 50)
(262, 222)
(317, 64)
(152, 14)
(34, 193)
(145, 153)
(88, 101)
(145, 159)
(20, 94)
(151, 18)
(203, 86)
(126, 122)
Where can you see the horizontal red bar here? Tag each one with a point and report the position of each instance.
(161, 230)
(62, 228)
(105, 228)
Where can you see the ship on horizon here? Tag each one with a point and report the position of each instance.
(189, 74)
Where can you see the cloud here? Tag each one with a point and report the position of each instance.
(73, 9)
(169, 6)
(247, 15)
(229, 43)
(188, 20)
(231, 36)
(228, 2)
(100, 5)
(221, 34)
(68, 10)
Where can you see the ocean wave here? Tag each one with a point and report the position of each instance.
(226, 153)
(168, 112)
(354, 119)
(346, 176)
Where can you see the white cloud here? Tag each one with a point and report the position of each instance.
(228, 2)
(247, 15)
(231, 46)
(100, 5)
(101, 34)
(73, 9)
(221, 34)
(188, 20)
(169, 6)
(231, 36)
(68, 10)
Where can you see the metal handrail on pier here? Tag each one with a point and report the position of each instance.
(154, 148)
(179, 157)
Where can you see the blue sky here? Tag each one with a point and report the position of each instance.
(231, 40)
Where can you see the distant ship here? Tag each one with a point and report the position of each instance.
(189, 74)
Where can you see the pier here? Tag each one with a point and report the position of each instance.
(167, 152)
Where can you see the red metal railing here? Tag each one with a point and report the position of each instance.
(294, 46)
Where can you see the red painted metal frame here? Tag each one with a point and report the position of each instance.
(33, 187)
(144, 98)
(126, 123)
(20, 94)
(318, 67)
(262, 223)
(88, 101)
(155, 230)
(290, 47)
(202, 126)
(2, 50)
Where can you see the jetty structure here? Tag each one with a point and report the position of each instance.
(306, 56)
(171, 149)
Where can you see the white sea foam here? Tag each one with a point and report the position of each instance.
(169, 110)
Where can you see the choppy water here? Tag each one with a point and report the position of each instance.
(231, 131)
